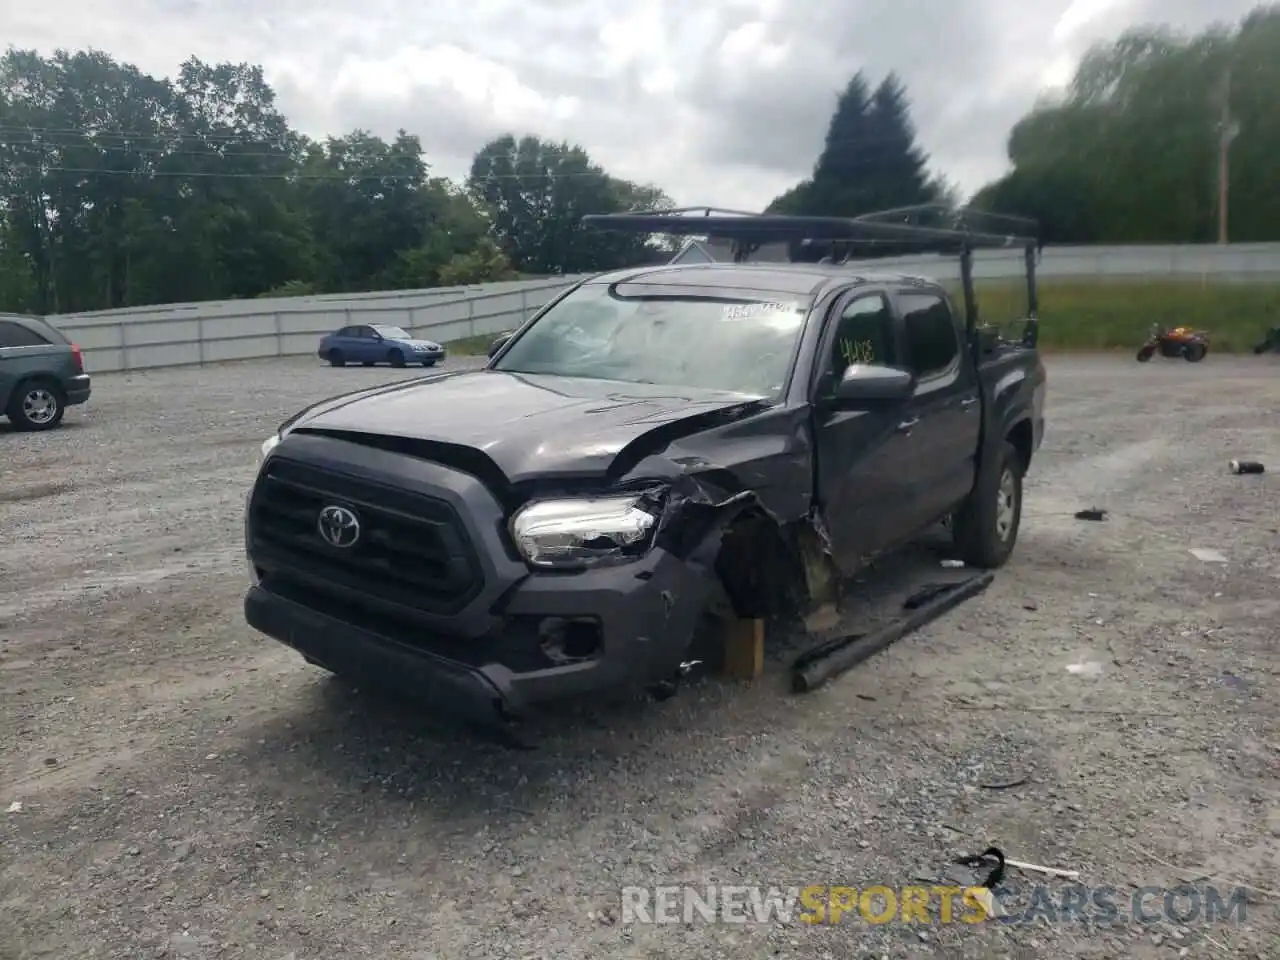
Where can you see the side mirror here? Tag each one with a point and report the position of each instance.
(873, 382)
(498, 343)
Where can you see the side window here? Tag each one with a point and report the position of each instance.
(16, 335)
(347, 332)
(931, 333)
(366, 333)
(864, 334)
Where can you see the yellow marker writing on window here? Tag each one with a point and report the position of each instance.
(857, 351)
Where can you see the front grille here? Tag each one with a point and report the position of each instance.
(412, 549)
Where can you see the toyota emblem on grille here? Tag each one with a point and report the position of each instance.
(338, 526)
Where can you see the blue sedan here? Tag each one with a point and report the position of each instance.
(378, 343)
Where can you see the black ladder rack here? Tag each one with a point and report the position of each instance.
(958, 232)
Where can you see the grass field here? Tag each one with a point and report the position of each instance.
(1103, 314)
(471, 346)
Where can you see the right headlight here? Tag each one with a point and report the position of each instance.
(582, 532)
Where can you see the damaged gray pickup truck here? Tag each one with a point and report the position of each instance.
(654, 448)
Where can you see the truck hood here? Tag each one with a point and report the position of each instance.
(531, 426)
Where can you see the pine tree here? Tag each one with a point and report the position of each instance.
(838, 163)
(843, 158)
(870, 161)
(896, 168)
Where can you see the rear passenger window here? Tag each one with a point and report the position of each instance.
(931, 333)
(16, 335)
(864, 334)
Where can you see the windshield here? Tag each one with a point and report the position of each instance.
(742, 345)
(392, 333)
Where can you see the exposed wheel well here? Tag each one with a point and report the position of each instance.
(1022, 438)
(760, 566)
(771, 570)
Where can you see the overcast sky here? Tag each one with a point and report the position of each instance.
(721, 102)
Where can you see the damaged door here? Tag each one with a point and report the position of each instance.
(863, 458)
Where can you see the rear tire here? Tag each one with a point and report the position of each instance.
(985, 529)
(395, 358)
(336, 359)
(1194, 352)
(37, 405)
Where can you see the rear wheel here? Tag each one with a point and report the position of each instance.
(37, 405)
(336, 359)
(985, 529)
(395, 358)
(1194, 352)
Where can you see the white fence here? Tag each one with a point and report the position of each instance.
(166, 336)
(268, 304)
(176, 334)
(1207, 262)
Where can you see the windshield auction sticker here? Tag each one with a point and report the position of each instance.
(752, 311)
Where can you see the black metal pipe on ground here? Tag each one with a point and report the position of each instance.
(831, 659)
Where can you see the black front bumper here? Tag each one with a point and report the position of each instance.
(470, 694)
(482, 658)
(646, 612)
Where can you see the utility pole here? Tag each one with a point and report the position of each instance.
(1228, 130)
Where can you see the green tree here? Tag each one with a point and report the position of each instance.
(1130, 153)
(366, 201)
(67, 185)
(485, 262)
(119, 189)
(869, 161)
(537, 192)
(841, 161)
(453, 227)
(236, 221)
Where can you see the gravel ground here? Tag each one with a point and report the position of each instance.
(179, 786)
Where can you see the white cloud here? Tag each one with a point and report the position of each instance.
(633, 37)
(448, 71)
(1078, 15)
(722, 101)
(748, 47)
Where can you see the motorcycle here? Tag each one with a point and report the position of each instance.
(1185, 342)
